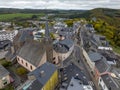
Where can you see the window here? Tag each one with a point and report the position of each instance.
(54, 62)
(54, 58)
(18, 59)
(31, 67)
(4, 81)
(26, 64)
(22, 61)
(104, 86)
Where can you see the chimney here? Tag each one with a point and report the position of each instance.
(31, 77)
(62, 37)
(42, 73)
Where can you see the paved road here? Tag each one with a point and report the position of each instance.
(84, 41)
(80, 61)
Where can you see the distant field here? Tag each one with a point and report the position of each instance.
(6, 17)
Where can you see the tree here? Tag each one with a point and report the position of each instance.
(6, 63)
(34, 16)
(52, 35)
(21, 71)
(69, 22)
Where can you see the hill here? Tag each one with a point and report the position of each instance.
(112, 16)
(8, 14)
(45, 11)
(106, 22)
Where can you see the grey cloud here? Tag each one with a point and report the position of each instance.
(60, 4)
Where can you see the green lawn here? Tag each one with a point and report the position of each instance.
(5, 63)
(2, 61)
(8, 87)
(116, 49)
(6, 17)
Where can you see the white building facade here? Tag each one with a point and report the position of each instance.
(8, 35)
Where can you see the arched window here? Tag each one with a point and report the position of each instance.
(54, 58)
(22, 61)
(26, 64)
(54, 62)
(31, 67)
(18, 59)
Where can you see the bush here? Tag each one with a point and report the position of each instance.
(8, 87)
(21, 71)
(6, 63)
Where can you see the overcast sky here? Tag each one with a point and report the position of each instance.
(60, 4)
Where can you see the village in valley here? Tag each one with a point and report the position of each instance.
(56, 57)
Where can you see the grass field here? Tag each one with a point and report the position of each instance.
(7, 17)
(117, 50)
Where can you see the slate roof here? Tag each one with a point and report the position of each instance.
(70, 72)
(95, 56)
(102, 66)
(4, 43)
(100, 61)
(3, 71)
(6, 32)
(9, 56)
(89, 25)
(32, 51)
(23, 35)
(110, 83)
(63, 46)
(40, 81)
(76, 85)
(35, 85)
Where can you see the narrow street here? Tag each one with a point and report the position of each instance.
(83, 44)
(79, 61)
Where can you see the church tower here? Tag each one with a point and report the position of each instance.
(48, 44)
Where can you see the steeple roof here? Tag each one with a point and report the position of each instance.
(47, 33)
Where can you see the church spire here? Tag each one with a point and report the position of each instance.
(48, 43)
(47, 33)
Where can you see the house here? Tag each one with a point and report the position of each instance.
(5, 24)
(73, 78)
(44, 77)
(21, 37)
(76, 25)
(4, 48)
(4, 77)
(100, 61)
(111, 60)
(18, 41)
(90, 28)
(38, 34)
(4, 45)
(100, 42)
(63, 48)
(7, 35)
(32, 55)
(109, 83)
(60, 25)
(103, 74)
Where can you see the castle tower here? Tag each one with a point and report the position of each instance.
(48, 44)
